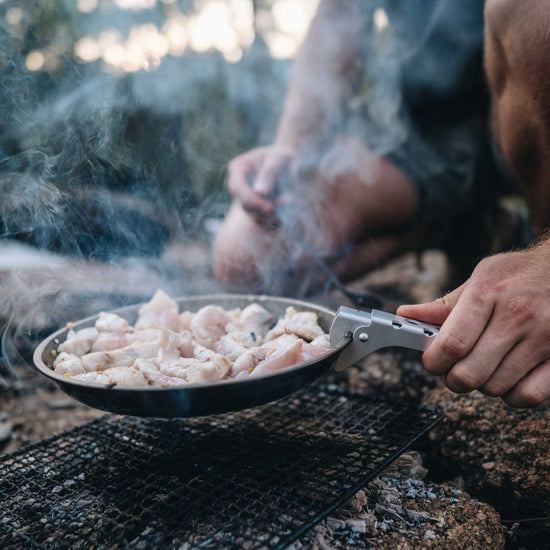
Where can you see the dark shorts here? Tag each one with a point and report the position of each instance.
(457, 170)
(424, 106)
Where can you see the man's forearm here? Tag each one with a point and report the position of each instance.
(325, 73)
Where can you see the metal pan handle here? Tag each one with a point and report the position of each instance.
(371, 331)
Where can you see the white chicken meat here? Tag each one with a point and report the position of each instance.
(168, 348)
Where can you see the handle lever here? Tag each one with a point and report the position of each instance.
(374, 330)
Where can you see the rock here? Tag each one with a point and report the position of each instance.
(6, 426)
(502, 453)
(61, 404)
(399, 509)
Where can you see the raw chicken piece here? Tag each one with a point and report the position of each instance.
(147, 342)
(107, 341)
(185, 320)
(153, 374)
(251, 324)
(103, 360)
(79, 342)
(302, 323)
(231, 345)
(206, 366)
(186, 347)
(248, 360)
(282, 341)
(161, 311)
(68, 363)
(123, 376)
(256, 317)
(203, 373)
(279, 359)
(322, 341)
(208, 325)
(309, 352)
(111, 322)
(166, 356)
(206, 355)
(241, 375)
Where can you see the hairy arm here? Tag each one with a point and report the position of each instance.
(325, 72)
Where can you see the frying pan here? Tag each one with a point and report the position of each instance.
(353, 335)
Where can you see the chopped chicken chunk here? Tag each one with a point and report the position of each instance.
(68, 363)
(111, 322)
(206, 367)
(153, 374)
(103, 360)
(231, 345)
(208, 325)
(280, 358)
(79, 342)
(161, 311)
(250, 324)
(301, 323)
(124, 376)
(109, 340)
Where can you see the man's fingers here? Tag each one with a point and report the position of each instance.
(266, 179)
(242, 171)
(238, 186)
(517, 364)
(484, 360)
(254, 178)
(462, 328)
(432, 312)
(532, 390)
(273, 173)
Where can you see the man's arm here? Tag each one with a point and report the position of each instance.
(324, 77)
(325, 72)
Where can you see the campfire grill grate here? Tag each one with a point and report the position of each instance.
(254, 479)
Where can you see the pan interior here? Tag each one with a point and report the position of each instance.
(45, 353)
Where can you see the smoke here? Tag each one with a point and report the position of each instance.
(161, 136)
(110, 160)
(110, 177)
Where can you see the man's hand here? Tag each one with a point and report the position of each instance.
(495, 333)
(253, 180)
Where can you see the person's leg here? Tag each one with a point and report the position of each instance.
(356, 214)
(517, 56)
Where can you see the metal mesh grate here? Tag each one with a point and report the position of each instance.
(254, 479)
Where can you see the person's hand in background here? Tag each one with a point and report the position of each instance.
(253, 180)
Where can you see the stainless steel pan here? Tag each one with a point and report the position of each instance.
(353, 335)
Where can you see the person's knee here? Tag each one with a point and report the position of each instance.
(245, 254)
(232, 261)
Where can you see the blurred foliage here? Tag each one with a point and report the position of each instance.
(163, 136)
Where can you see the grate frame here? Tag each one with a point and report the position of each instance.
(255, 479)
